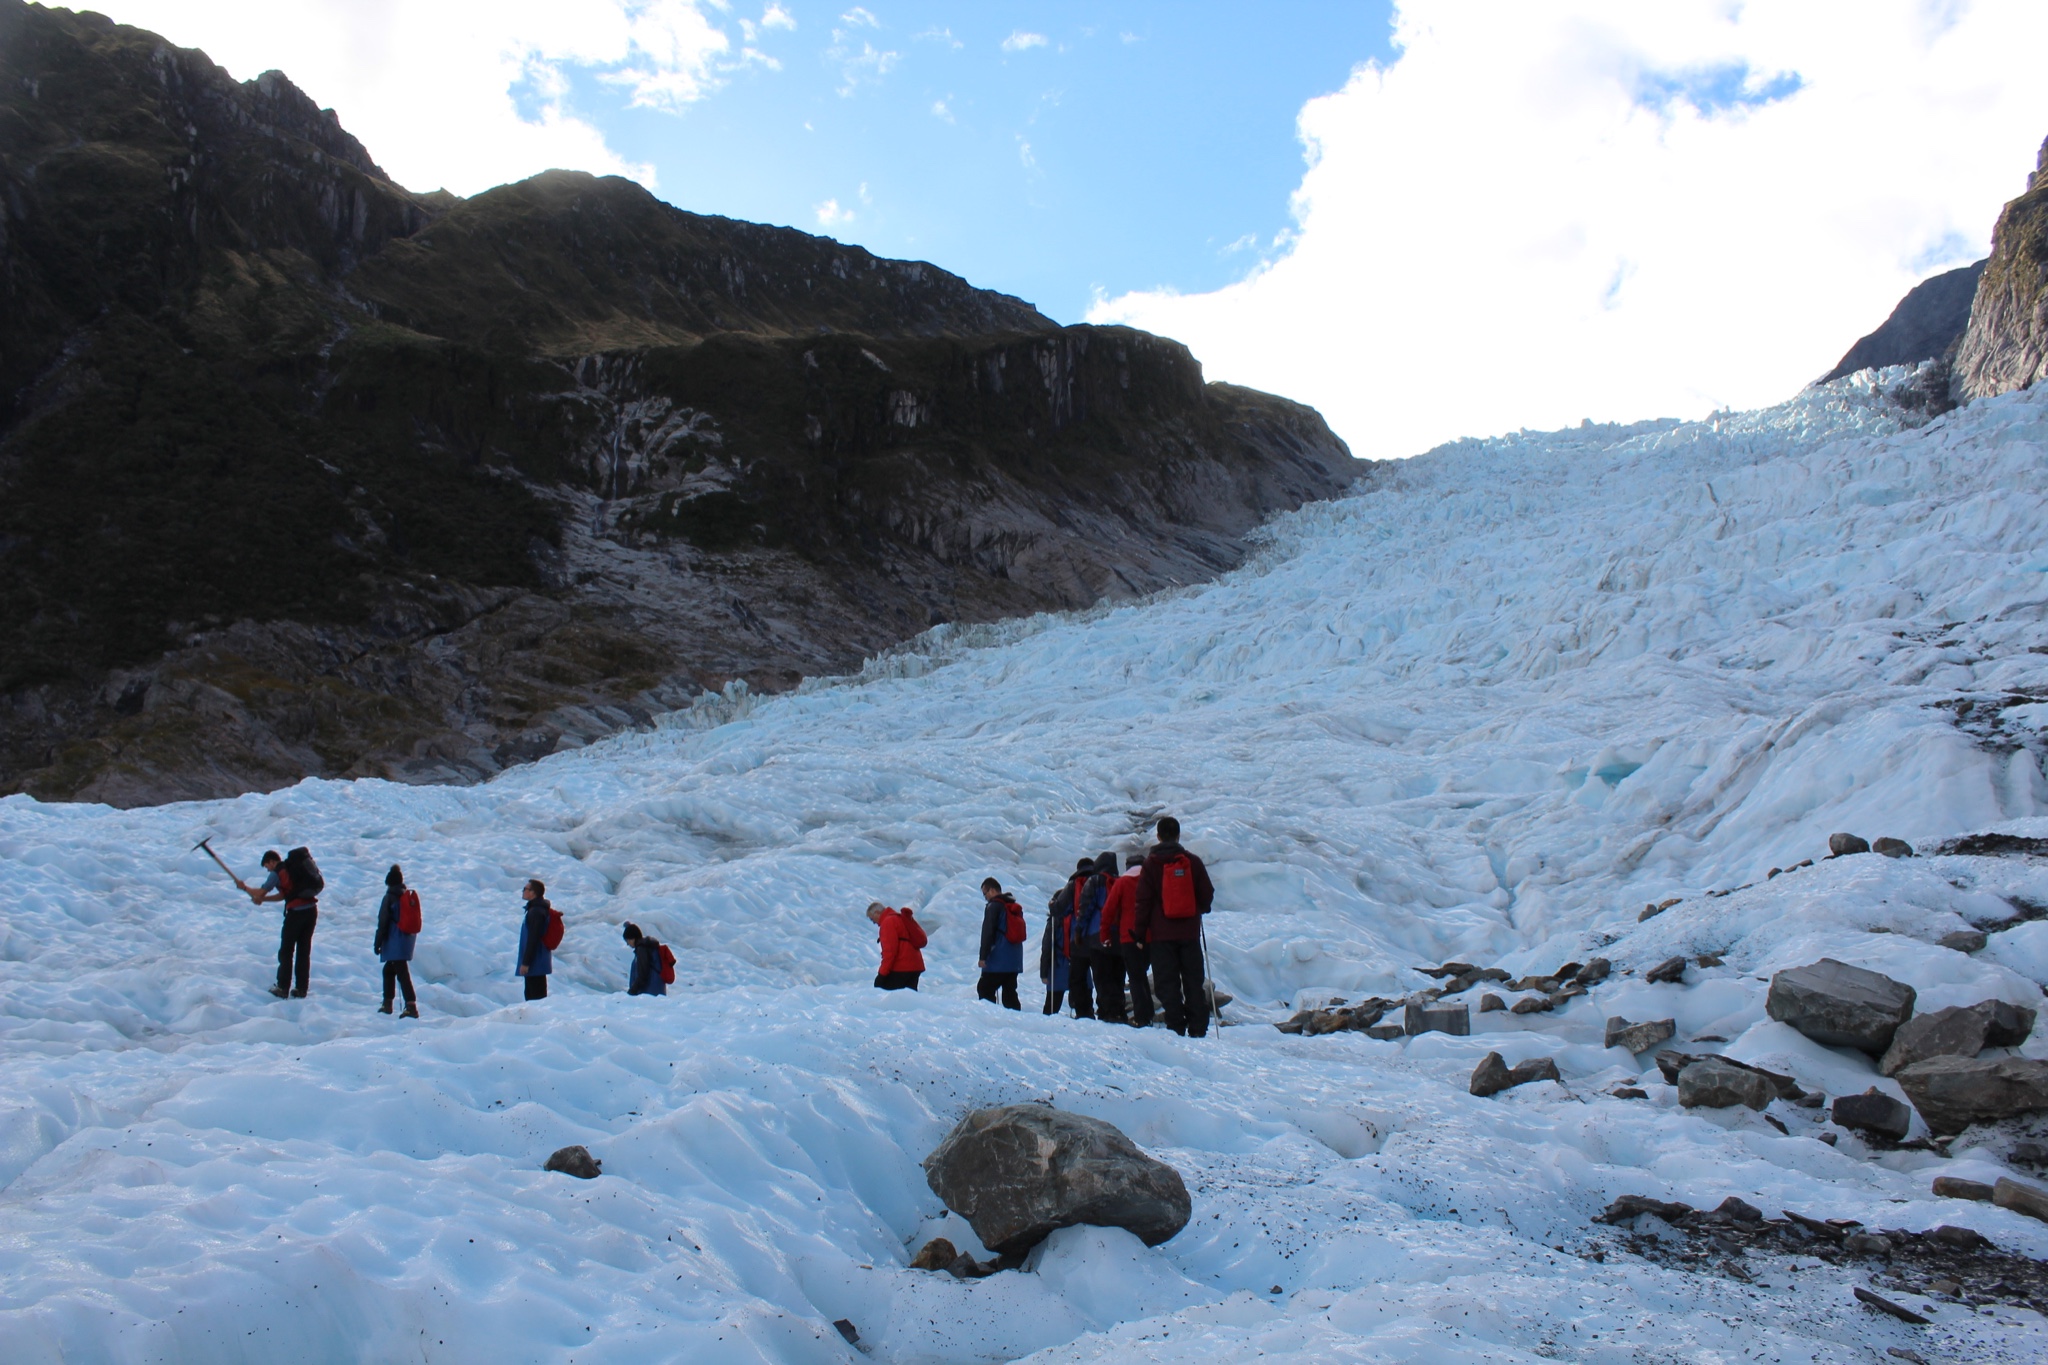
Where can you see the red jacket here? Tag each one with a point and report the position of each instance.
(902, 936)
(1153, 923)
(1120, 911)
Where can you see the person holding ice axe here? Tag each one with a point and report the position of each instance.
(294, 879)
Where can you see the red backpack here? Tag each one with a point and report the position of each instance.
(1014, 928)
(913, 932)
(408, 911)
(551, 937)
(668, 964)
(1177, 888)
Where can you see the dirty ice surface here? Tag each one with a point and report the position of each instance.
(1484, 708)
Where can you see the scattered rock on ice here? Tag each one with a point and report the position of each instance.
(1842, 845)
(1453, 1019)
(1965, 940)
(1594, 972)
(1671, 969)
(1494, 1075)
(1958, 1031)
(1652, 911)
(2021, 1197)
(1873, 1111)
(1892, 848)
(1489, 1003)
(1713, 1083)
(1951, 1093)
(1019, 1171)
(576, 1161)
(1635, 1205)
(1533, 1004)
(1639, 1038)
(1839, 1005)
(1955, 1187)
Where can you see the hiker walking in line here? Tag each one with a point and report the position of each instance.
(540, 933)
(398, 926)
(1121, 959)
(653, 969)
(1056, 944)
(294, 879)
(1084, 937)
(1001, 956)
(1173, 894)
(902, 938)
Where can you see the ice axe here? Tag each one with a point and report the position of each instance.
(207, 844)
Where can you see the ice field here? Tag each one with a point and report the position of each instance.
(1485, 708)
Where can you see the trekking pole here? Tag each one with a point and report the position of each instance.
(1209, 979)
(207, 844)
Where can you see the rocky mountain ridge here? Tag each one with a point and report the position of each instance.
(306, 473)
(2006, 344)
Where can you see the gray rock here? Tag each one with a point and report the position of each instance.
(1639, 1038)
(1955, 1187)
(1671, 1062)
(1951, 1093)
(1533, 1004)
(1652, 911)
(1958, 1031)
(576, 1161)
(1386, 1033)
(1963, 1239)
(1867, 1244)
(1494, 1075)
(1873, 1111)
(2021, 1197)
(1595, 972)
(1714, 1083)
(1632, 1206)
(1489, 1003)
(1671, 970)
(1965, 940)
(1736, 1209)
(937, 1254)
(1892, 848)
(1842, 845)
(1453, 1019)
(1018, 1172)
(1839, 1005)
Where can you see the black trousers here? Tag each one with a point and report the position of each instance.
(1080, 984)
(536, 987)
(898, 981)
(399, 974)
(1177, 975)
(1007, 981)
(1138, 980)
(1118, 968)
(295, 949)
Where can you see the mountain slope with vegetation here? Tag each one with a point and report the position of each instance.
(302, 472)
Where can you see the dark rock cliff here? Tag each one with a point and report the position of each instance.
(304, 473)
(1927, 325)
(2006, 344)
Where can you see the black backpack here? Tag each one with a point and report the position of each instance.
(303, 874)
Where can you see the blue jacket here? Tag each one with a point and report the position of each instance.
(644, 976)
(391, 945)
(997, 951)
(533, 948)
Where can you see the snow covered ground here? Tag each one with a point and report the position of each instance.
(1486, 708)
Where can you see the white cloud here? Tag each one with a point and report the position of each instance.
(469, 93)
(1020, 41)
(775, 16)
(829, 213)
(1542, 211)
(859, 17)
(941, 110)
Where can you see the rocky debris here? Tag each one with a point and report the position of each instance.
(1453, 1019)
(1638, 1038)
(576, 1161)
(1951, 1093)
(1652, 911)
(1494, 1075)
(1019, 1171)
(1594, 972)
(1709, 959)
(1955, 1187)
(1630, 1206)
(2020, 1197)
(1892, 848)
(1630, 1092)
(1873, 1111)
(1885, 1305)
(1671, 970)
(1965, 940)
(937, 1254)
(1734, 1209)
(1337, 1018)
(1839, 1005)
(1958, 1031)
(1386, 1033)
(1671, 1062)
(1969, 1239)
(1712, 1083)
(1489, 1003)
(1449, 969)
(1843, 845)
(1533, 1004)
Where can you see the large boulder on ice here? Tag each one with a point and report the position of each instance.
(1839, 1005)
(1952, 1093)
(1873, 1111)
(1958, 1031)
(1018, 1172)
(1716, 1083)
(576, 1161)
(1494, 1075)
(1844, 845)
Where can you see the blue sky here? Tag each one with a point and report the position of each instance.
(1141, 144)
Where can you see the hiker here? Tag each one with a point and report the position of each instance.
(653, 966)
(394, 941)
(1121, 960)
(1001, 956)
(1084, 937)
(296, 881)
(902, 936)
(540, 933)
(1173, 894)
(1056, 944)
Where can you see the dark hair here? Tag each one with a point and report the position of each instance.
(1106, 864)
(270, 856)
(1169, 830)
(632, 931)
(394, 878)
(540, 888)
(1084, 865)
(991, 884)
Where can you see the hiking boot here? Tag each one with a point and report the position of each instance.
(298, 995)
(279, 991)
(412, 1010)
(384, 1008)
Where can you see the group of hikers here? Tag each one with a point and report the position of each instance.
(1114, 942)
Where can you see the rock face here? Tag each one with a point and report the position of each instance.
(1952, 1093)
(508, 473)
(2005, 347)
(1839, 1005)
(1958, 1031)
(1639, 1038)
(1494, 1075)
(1714, 1083)
(1926, 325)
(1018, 1172)
(1873, 1111)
